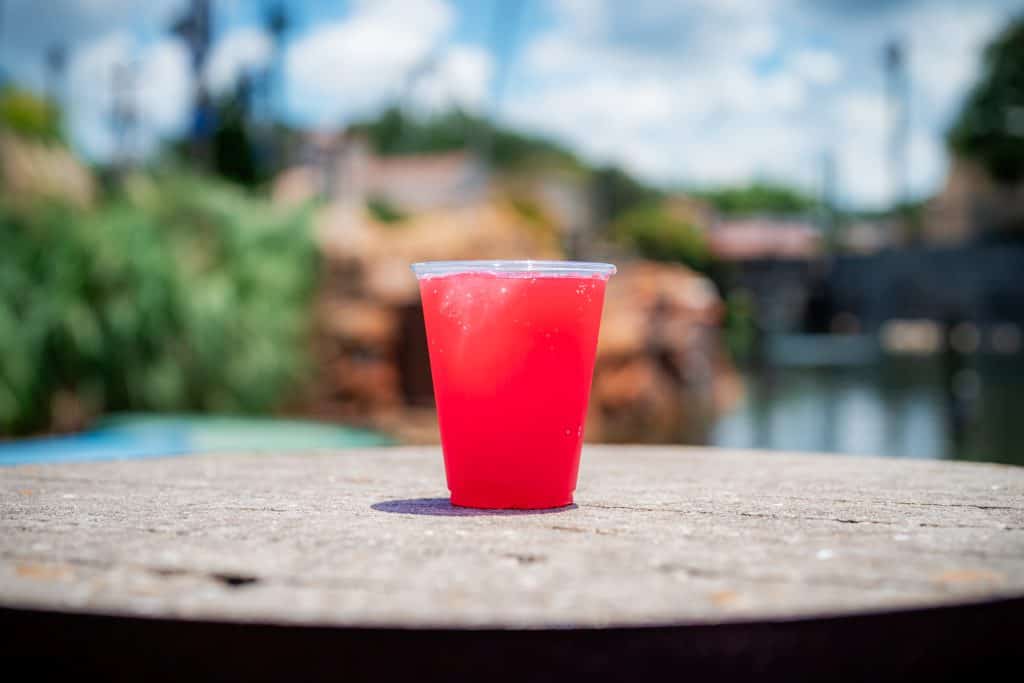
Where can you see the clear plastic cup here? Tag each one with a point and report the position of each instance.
(512, 347)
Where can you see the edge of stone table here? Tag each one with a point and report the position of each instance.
(709, 558)
(660, 535)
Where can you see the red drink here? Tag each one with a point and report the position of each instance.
(512, 355)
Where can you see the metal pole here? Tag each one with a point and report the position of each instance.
(1, 42)
(125, 116)
(898, 96)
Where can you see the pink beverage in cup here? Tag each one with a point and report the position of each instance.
(512, 347)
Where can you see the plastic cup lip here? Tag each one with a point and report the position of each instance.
(425, 269)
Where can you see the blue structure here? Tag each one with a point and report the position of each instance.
(141, 436)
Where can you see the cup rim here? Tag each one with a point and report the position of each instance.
(521, 266)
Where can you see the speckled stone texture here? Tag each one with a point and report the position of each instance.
(659, 535)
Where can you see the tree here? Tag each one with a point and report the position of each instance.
(616, 192)
(656, 234)
(758, 197)
(29, 116)
(232, 142)
(990, 127)
(395, 132)
(240, 149)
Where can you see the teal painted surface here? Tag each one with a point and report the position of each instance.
(147, 436)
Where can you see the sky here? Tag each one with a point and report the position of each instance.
(682, 93)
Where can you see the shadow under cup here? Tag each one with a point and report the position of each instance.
(512, 347)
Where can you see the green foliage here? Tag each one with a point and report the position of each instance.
(384, 210)
(740, 325)
(187, 296)
(655, 234)
(758, 197)
(616, 192)
(990, 127)
(530, 211)
(232, 150)
(394, 133)
(233, 145)
(29, 116)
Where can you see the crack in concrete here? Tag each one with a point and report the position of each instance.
(920, 504)
(796, 518)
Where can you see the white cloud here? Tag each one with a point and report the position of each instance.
(782, 91)
(945, 47)
(460, 78)
(864, 167)
(928, 160)
(165, 87)
(819, 67)
(671, 130)
(738, 153)
(713, 91)
(156, 81)
(755, 40)
(673, 91)
(699, 91)
(862, 170)
(242, 50)
(358, 63)
(863, 112)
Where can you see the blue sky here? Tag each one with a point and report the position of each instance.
(699, 92)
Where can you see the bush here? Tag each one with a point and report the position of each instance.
(384, 210)
(740, 325)
(617, 192)
(188, 296)
(656, 234)
(29, 116)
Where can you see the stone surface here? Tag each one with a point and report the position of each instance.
(369, 326)
(661, 373)
(29, 170)
(658, 536)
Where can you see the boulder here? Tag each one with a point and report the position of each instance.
(370, 326)
(33, 169)
(660, 376)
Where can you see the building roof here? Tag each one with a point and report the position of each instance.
(750, 239)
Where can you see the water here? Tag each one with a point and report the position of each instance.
(149, 436)
(912, 407)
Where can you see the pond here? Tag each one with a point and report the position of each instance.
(914, 407)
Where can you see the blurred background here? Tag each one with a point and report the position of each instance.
(208, 208)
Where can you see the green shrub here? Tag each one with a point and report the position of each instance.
(188, 296)
(27, 115)
(740, 325)
(655, 234)
(616, 191)
(384, 210)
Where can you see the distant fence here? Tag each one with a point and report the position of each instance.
(983, 284)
